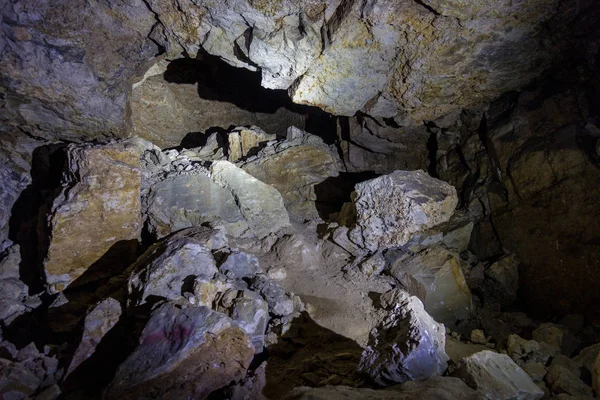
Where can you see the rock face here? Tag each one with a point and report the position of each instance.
(241, 141)
(496, 376)
(389, 67)
(444, 388)
(99, 207)
(183, 352)
(69, 77)
(408, 345)
(435, 276)
(392, 208)
(191, 96)
(294, 166)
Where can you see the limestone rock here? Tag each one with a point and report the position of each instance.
(183, 353)
(294, 166)
(70, 75)
(392, 208)
(165, 268)
(536, 371)
(587, 357)
(280, 304)
(192, 97)
(183, 200)
(557, 336)
(496, 376)
(99, 320)
(240, 265)
(523, 351)
(478, 336)
(407, 345)
(562, 380)
(243, 140)
(98, 208)
(458, 350)
(443, 388)
(251, 312)
(435, 276)
(259, 203)
(17, 381)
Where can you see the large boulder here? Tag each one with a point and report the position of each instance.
(184, 194)
(497, 377)
(98, 207)
(435, 276)
(442, 388)
(260, 203)
(392, 208)
(183, 353)
(294, 166)
(407, 345)
(167, 267)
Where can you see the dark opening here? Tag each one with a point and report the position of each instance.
(333, 192)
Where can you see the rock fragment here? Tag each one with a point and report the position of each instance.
(435, 276)
(407, 345)
(496, 376)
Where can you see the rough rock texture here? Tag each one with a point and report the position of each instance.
(182, 193)
(435, 277)
(294, 166)
(68, 68)
(563, 380)
(185, 98)
(98, 207)
(496, 376)
(408, 345)
(501, 281)
(242, 141)
(388, 58)
(259, 203)
(443, 388)
(183, 352)
(545, 172)
(101, 319)
(166, 268)
(523, 351)
(15, 166)
(392, 208)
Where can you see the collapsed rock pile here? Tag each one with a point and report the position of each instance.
(236, 269)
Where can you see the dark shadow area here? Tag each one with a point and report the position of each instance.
(332, 193)
(199, 139)
(307, 355)
(220, 81)
(27, 225)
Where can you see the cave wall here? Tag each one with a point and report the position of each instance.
(417, 85)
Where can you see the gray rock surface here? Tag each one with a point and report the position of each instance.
(241, 141)
(183, 352)
(294, 166)
(502, 281)
(259, 203)
(392, 208)
(435, 276)
(443, 388)
(166, 267)
(496, 376)
(407, 345)
(240, 265)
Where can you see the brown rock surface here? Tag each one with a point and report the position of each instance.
(97, 208)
